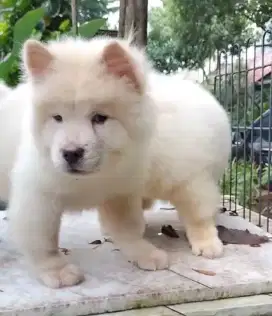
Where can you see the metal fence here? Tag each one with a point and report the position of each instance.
(243, 84)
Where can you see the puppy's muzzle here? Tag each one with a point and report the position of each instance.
(73, 157)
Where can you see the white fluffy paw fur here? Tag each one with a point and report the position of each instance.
(155, 260)
(210, 248)
(67, 275)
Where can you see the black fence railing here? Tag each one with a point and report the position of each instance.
(243, 84)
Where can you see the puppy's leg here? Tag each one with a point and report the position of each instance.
(146, 204)
(34, 227)
(123, 219)
(197, 203)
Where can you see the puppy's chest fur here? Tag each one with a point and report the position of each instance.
(91, 193)
(83, 192)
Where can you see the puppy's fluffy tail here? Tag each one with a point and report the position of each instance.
(4, 90)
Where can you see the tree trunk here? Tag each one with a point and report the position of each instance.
(133, 18)
(74, 17)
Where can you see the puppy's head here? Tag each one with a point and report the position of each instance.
(89, 101)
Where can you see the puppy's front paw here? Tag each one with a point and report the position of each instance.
(67, 275)
(210, 248)
(204, 239)
(155, 260)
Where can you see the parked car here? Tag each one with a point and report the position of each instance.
(254, 142)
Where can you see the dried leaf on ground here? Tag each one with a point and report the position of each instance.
(96, 242)
(3, 205)
(169, 231)
(255, 245)
(167, 208)
(240, 237)
(65, 251)
(223, 210)
(205, 272)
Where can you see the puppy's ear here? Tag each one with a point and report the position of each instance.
(120, 64)
(36, 58)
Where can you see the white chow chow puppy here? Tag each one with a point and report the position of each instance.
(102, 128)
(87, 122)
(188, 155)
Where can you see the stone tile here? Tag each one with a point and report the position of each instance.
(241, 306)
(156, 311)
(112, 283)
(251, 216)
(243, 270)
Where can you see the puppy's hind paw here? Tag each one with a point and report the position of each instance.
(156, 260)
(67, 275)
(209, 248)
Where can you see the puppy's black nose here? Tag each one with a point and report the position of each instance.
(73, 156)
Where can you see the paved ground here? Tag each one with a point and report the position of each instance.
(254, 217)
(260, 305)
(113, 284)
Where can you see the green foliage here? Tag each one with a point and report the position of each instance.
(194, 30)
(257, 11)
(22, 31)
(89, 29)
(205, 29)
(239, 96)
(243, 181)
(89, 10)
(162, 47)
(21, 19)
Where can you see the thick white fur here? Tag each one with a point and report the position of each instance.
(4, 90)
(186, 157)
(189, 154)
(76, 85)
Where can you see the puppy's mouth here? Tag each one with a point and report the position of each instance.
(75, 171)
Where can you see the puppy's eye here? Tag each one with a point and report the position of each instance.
(99, 119)
(58, 118)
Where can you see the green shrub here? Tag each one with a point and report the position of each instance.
(30, 26)
(243, 181)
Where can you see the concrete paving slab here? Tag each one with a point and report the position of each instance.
(156, 311)
(113, 284)
(243, 270)
(260, 305)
